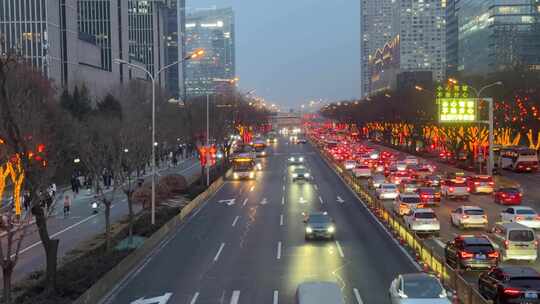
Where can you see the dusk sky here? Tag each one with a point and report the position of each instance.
(294, 51)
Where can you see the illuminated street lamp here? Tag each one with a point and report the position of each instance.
(196, 54)
(452, 81)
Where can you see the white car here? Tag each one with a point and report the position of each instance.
(455, 188)
(469, 216)
(401, 166)
(423, 221)
(362, 171)
(349, 164)
(411, 160)
(523, 215)
(406, 202)
(416, 288)
(387, 191)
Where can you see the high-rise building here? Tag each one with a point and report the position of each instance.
(495, 35)
(75, 42)
(175, 29)
(418, 45)
(213, 31)
(146, 27)
(375, 30)
(452, 30)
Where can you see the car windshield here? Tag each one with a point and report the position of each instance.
(474, 212)
(422, 288)
(425, 215)
(525, 211)
(410, 199)
(389, 187)
(510, 190)
(318, 219)
(521, 236)
(300, 170)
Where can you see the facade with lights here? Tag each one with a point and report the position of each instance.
(497, 35)
(213, 31)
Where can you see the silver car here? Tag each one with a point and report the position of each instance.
(418, 288)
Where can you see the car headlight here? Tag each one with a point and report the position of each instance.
(309, 230)
(306, 175)
(251, 174)
(295, 175)
(264, 153)
(235, 175)
(331, 229)
(301, 159)
(291, 159)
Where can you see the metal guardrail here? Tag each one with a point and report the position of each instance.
(464, 292)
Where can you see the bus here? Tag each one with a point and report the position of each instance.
(518, 159)
(260, 148)
(243, 166)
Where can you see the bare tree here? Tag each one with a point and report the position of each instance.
(30, 129)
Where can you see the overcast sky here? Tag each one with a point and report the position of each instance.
(293, 51)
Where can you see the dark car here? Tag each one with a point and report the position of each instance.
(508, 196)
(301, 173)
(432, 181)
(319, 225)
(510, 284)
(471, 252)
(429, 195)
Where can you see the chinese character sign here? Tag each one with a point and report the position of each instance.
(457, 109)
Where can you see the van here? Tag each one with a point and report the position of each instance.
(515, 242)
(319, 293)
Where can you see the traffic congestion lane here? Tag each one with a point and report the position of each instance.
(81, 225)
(260, 248)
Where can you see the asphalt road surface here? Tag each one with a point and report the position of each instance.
(81, 225)
(246, 245)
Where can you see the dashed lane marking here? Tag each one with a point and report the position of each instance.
(357, 296)
(245, 202)
(219, 252)
(340, 250)
(235, 220)
(235, 297)
(278, 256)
(194, 299)
(276, 297)
(281, 220)
(321, 200)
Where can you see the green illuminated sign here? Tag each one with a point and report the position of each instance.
(457, 109)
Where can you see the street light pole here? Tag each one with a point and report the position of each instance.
(207, 137)
(153, 79)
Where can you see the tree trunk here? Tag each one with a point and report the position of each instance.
(130, 218)
(50, 246)
(107, 224)
(7, 271)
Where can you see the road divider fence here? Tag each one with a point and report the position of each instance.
(463, 291)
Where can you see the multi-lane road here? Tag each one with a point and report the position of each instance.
(81, 225)
(246, 244)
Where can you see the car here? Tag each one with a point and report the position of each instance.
(429, 195)
(471, 252)
(481, 184)
(508, 196)
(378, 167)
(423, 220)
(376, 180)
(510, 284)
(362, 171)
(468, 216)
(401, 166)
(411, 160)
(301, 140)
(318, 293)
(406, 202)
(421, 173)
(408, 185)
(349, 164)
(432, 181)
(319, 225)
(455, 188)
(387, 191)
(419, 288)
(523, 215)
(300, 174)
(296, 160)
(515, 242)
(398, 176)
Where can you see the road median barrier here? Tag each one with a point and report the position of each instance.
(103, 287)
(426, 257)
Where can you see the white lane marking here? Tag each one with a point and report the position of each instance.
(264, 201)
(340, 200)
(357, 296)
(316, 187)
(159, 300)
(440, 243)
(194, 299)
(278, 250)
(276, 297)
(283, 187)
(252, 188)
(219, 252)
(283, 200)
(235, 297)
(340, 250)
(235, 220)
(245, 202)
(281, 220)
(321, 200)
(229, 202)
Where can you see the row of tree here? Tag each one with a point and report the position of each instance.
(106, 134)
(408, 117)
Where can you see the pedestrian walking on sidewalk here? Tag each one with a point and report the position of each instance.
(67, 205)
(74, 184)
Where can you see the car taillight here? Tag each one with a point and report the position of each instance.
(537, 217)
(466, 255)
(493, 255)
(492, 183)
(520, 194)
(503, 195)
(402, 206)
(484, 216)
(465, 216)
(468, 189)
(506, 243)
(476, 183)
(451, 189)
(512, 291)
(536, 243)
